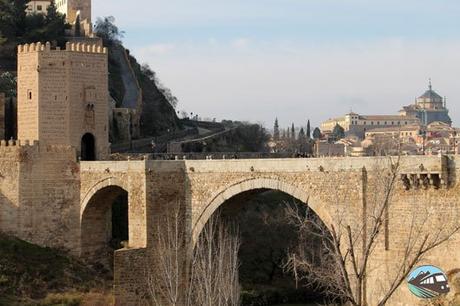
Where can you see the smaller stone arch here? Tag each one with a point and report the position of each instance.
(253, 184)
(104, 220)
(109, 181)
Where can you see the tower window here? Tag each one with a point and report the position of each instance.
(29, 94)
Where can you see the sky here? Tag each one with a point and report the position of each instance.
(255, 60)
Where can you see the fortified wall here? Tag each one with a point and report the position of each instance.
(62, 119)
(39, 193)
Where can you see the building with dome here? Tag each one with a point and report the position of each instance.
(429, 107)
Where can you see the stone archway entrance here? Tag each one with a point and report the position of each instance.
(88, 147)
(104, 224)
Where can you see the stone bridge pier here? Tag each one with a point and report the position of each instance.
(327, 185)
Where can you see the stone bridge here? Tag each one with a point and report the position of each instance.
(153, 188)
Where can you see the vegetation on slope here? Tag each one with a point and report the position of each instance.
(32, 275)
(16, 27)
(158, 113)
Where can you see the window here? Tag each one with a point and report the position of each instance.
(39, 7)
(440, 278)
(29, 94)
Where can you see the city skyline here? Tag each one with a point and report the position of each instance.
(295, 60)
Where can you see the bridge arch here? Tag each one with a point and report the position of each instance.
(104, 219)
(229, 192)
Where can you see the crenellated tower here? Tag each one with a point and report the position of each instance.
(62, 97)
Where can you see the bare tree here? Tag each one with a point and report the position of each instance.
(209, 278)
(214, 271)
(341, 267)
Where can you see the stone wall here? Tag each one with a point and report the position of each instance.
(2, 115)
(40, 193)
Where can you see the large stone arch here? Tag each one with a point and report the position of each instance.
(253, 184)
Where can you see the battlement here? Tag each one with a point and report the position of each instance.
(18, 143)
(70, 47)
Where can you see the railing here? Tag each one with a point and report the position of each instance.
(206, 156)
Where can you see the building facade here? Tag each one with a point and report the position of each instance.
(37, 7)
(358, 125)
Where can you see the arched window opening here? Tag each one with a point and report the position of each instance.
(88, 147)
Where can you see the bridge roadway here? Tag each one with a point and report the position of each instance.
(200, 187)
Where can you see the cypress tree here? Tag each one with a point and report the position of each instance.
(316, 133)
(292, 132)
(308, 129)
(77, 26)
(301, 135)
(276, 131)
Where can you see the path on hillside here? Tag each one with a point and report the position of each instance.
(132, 91)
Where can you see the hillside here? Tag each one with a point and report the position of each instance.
(32, 275)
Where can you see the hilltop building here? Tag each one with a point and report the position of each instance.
(358, 125)
(429, 107)
(37, 7)
(74, 10)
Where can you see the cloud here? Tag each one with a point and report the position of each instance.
(295, 59)
(301, 81)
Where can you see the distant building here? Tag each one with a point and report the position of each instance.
(429, 107)
(402, 132)
(355, 124)
(70, 8)
(74, 8)
(37, 7)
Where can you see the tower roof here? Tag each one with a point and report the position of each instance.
(431, 94)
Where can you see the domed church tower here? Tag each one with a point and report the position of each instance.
(430, 99)
(429, 107)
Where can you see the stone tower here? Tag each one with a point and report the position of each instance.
(62, 97)
(72, 8)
